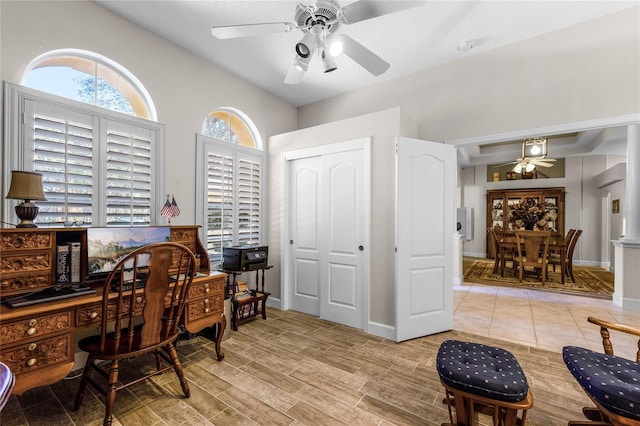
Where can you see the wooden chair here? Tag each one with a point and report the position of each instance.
(570, 241)
(495, 243)
(610, 381)
(554, 258)
(533, 249)
(150, 326)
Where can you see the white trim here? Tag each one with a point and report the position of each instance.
(578, 126)
(381, 330)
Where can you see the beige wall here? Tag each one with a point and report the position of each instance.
(183, 87)
(588, 71)
(383, 127)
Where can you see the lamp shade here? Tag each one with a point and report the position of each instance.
(26, 186)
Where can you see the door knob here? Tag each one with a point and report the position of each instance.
(361, 248)
(290, 241)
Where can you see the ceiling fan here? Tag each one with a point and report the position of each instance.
(534, 154)
(319, 22)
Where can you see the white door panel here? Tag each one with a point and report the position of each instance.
(425, 213)
(343, 232)
(304, 232)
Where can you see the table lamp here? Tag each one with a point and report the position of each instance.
(26, 186)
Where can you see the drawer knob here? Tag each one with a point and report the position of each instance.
(32, 362)
(31, 331)
(93, 315)
(139, 299)
(32, 347)
(206, 288)
(32, 323)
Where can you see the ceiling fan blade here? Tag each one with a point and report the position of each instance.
(541, 164)
(367, 9)
(363, 56)
(294, 75)
(247, 30)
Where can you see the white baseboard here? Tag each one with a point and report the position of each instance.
(474, 254)
(273, 302)
(381, 330)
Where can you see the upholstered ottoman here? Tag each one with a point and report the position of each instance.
(484, 379)
(612, 382)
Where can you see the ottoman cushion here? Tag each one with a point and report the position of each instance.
(611, 380)
(481, 370)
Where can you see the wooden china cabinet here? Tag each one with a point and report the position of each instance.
(504, 220)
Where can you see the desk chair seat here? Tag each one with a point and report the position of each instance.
(150, 327)
(7, 381)
(612, 382)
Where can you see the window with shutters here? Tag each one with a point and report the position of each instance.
(230, 178)
(99, 168)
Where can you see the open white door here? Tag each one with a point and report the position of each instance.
(425, 224)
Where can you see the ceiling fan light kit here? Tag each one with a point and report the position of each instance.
(534, 148)
(319, 22)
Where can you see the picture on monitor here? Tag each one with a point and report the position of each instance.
(106, 246)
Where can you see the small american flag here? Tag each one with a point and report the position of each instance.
(170, 208)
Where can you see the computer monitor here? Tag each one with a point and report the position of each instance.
(106, 246)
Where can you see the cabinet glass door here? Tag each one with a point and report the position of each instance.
(497, 214)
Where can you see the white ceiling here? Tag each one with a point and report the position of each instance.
(410, 40)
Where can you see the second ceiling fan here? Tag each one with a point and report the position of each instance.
(319, 22)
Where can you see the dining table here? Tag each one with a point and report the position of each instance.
(507, 242)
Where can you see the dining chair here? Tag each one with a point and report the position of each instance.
(610, 381)
(495, 243)
(533, 248)
(554, 258)
(142, 301)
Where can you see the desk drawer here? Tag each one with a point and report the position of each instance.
(206, 307)
(18, 284)
(26, 241)
(87, 315)
(38, 354)
(205, 288)
(15, 263)
(34, 327)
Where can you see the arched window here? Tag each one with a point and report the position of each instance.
(231, 125)
(88, 77)
(230, 174)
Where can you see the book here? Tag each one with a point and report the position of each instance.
(62, 263)
(75, 249)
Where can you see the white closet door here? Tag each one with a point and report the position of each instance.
(342, 237)
(425, 224)
(304, 178)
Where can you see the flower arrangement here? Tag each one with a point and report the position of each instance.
(529, 215)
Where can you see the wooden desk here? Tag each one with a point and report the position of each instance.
(555, 245)
(38, 342)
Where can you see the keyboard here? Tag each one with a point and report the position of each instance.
(50, 294)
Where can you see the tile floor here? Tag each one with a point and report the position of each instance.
(540, 319)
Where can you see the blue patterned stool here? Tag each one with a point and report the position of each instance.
(483, 379)
(612, 383)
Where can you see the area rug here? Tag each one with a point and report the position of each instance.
(590, 281)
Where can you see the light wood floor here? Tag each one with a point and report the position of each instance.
(294, 369)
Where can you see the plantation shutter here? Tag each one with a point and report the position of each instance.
(220, 202)
(98, 169)
(248, 200)
(63, 153)
(128, 175)
(231, 185)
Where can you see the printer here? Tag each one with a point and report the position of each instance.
(244, 258)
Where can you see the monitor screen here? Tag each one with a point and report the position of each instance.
(106, 246)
